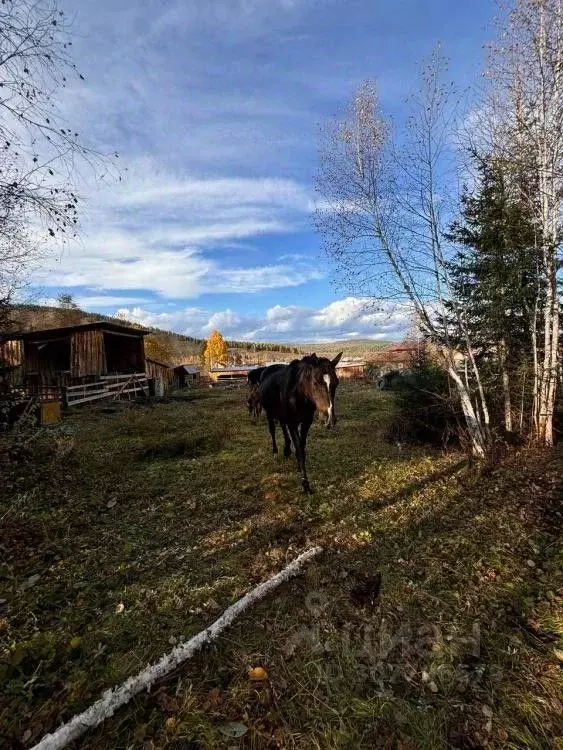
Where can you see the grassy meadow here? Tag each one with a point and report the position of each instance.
(134, 527)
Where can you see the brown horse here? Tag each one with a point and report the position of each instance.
(292, 395)
(254, 401)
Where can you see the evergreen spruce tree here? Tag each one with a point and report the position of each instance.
(495, 275)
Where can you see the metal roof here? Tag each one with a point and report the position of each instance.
(234, 368)
(350, 363)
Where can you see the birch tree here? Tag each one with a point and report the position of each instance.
(216, 351)
(382, 211)
(41, 154)
(526, 73)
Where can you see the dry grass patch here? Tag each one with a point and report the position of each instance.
(157, 518)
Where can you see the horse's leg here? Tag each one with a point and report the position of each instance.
(250, 405)
(296, 437)
(287, 441)
(303, 432)
(272, 428)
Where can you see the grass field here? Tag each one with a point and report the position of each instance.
(135, 527)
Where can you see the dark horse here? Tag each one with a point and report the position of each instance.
(255, 377)
(253, 402)
(291, 395)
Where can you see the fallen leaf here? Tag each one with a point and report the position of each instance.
(433, 687)
(171, 723)
(487, 710)
(214, 700)
(258, 674)
(26, 736)
(233, 729)
(289, 648)
(111, 503)
(120, 608)
(168, 705)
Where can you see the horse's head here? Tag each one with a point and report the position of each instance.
(322, 385)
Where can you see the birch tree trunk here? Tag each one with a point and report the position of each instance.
(479, 438)
(549, 111)
(505, 377)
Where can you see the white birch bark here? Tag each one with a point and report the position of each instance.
(114, 699)
(502, 353)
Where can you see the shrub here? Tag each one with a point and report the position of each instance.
(427, 411)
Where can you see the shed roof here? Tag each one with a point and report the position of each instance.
(103, 325)
(350, 363)
(189, 369)
(234, 368)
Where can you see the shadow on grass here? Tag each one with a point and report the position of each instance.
(184, 540)
(195, 447)
(420, 691)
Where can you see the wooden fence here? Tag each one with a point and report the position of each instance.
(107, 387)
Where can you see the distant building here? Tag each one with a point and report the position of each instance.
(397, 357)
(231, 373)
(186, 376)
(351, 369)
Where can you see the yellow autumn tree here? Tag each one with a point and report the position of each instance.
(216, 350)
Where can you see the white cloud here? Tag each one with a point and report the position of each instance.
(107, 301)
(170, 274)
(154, 233)
(349, 318)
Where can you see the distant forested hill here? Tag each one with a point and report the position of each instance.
(176, 348)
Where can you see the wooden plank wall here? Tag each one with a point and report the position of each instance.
(31, 360)
(87, 355)
(160, 372)
(11, 353)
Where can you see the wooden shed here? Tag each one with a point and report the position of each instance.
(186, 376)
(161, 374)
(351, 369)
(77, 354)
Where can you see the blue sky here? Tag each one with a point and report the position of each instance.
(214, 107)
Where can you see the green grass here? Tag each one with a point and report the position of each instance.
(143, 524)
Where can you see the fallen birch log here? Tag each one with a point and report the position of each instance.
(114, 699)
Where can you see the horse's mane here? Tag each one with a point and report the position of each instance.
(294, 372)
